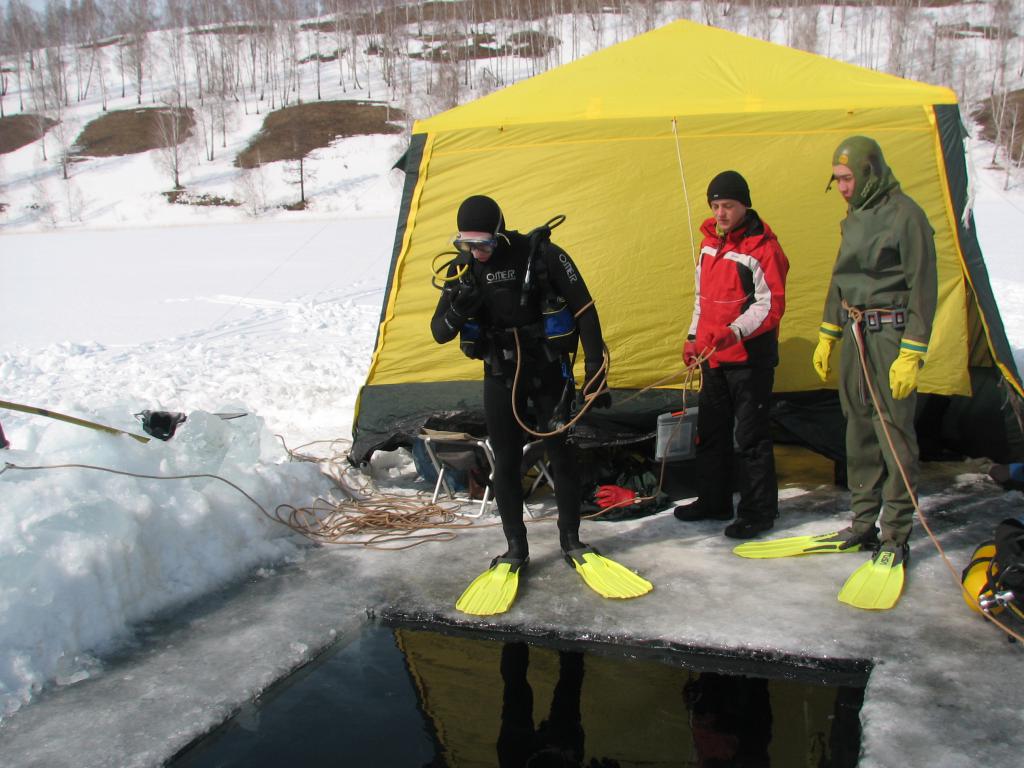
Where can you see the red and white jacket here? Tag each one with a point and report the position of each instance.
(740, 282)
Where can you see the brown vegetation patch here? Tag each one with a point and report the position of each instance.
(128, 131)
(785, 4)
(101, 43)
(897, 3)
(789, 4)
(483, 11)
(488, 10)
(18, 130)
(456, 11)
(327, 27)
(532, 43)
(321, 56)
(482, 46)
(293, 132)
(184, 197)
(965, 29)
(986, 116)
(231, 29)
(528, 43)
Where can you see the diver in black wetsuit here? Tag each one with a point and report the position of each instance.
(502, 322)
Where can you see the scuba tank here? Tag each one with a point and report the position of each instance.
(977, 577)
(995, 575)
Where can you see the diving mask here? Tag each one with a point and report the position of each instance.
(467, 245)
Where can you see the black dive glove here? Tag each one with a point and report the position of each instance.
(465, 302)
(604, 400)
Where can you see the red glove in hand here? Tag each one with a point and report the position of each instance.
(613, 496)
(690, 352)
(722, 337)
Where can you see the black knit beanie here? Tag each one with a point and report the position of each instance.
(729, 185)
(480, 213)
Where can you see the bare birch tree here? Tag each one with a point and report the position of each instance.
(173, 126)
(297, 174)
(1010, 142)
(138, 21)
(55, 106)
(21, 33)
(56, 35)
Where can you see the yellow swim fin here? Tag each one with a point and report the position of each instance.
(606, 577)
(494, 590)
(825, 543)
(878, 584)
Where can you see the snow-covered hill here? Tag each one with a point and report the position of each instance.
(419, 61)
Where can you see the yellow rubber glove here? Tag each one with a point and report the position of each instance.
(904, 369)
(828, 334)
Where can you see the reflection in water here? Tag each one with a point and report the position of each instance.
(558, 741)
(419, 698)
(731, 720)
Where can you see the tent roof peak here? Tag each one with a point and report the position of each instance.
(686, 68)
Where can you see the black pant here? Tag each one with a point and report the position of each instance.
(543, 385)
(558, 740)
(735, 441)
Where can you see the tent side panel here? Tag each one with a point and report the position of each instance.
(632, 216)
(951, 134)
(412, 158)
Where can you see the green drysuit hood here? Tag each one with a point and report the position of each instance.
(873, 178)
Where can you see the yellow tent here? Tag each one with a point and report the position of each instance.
(624, 142)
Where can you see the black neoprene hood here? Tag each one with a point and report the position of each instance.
(480, 213)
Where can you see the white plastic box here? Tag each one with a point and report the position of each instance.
(677, 436)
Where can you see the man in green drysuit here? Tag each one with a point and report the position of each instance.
(885, 275)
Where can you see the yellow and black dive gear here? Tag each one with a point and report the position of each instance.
(977, 580)
(994, 578)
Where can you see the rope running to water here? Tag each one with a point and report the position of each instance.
(371, 520)
(856, 316)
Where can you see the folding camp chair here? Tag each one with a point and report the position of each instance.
(459, 451)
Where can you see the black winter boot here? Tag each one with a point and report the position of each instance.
(748, 529)
(696, 510)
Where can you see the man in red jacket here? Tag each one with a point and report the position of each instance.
(739, 299)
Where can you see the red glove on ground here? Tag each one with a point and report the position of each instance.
(690, 352)
(722, 337)
(613, 496)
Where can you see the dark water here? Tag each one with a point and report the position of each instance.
(410, 697)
